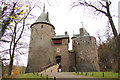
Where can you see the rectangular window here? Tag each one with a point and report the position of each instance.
(57, 41)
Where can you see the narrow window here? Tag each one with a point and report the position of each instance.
(41, 26)
(51, 29)
(88, 42)
(74, 41)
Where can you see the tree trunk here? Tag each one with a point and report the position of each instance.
(111, 20)
(116, 36)
(11, 61)
(10, 67)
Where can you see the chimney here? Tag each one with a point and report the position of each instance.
(65, 32)
(81, 32)
(47, 18)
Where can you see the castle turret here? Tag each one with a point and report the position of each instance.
(40, 47)
(85, 49)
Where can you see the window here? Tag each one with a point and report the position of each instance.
(58, 49)
(88, 42)
(51, 29)
(57, 41)
(41, 26)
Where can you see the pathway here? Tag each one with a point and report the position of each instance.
(65, 75)
(70, 76)
(51, 69)
(52, 72)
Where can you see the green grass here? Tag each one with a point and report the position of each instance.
(29, 75)
(100, 74)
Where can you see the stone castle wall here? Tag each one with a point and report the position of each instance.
(86, 53)
(41, 50)
(72, 62)
(63, 51)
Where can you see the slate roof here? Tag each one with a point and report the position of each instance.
(85, 32)
(43, 18)
(60, 37)
(78, 35)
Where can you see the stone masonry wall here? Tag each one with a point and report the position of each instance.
(63, 51)
(40, 49)
(72, 62)
(86, 53)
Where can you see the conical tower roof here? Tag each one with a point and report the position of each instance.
(43, 18)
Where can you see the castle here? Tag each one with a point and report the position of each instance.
(46, 47)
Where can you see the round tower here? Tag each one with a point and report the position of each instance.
(85, 48)
(40, 48)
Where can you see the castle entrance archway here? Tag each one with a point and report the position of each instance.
(58, 59)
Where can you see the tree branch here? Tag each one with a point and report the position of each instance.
(102, 4)
(87, 4)
(11, 49)
(4, 41)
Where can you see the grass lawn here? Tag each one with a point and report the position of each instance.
(100, 74)
(30, 75)
(27, 75)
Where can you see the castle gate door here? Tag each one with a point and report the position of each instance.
(58, 59)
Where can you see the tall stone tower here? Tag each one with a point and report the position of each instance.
(85, 49)
(41, 50)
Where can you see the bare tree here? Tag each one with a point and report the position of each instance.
(103, 6)
(107, 51)
(15, 14)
